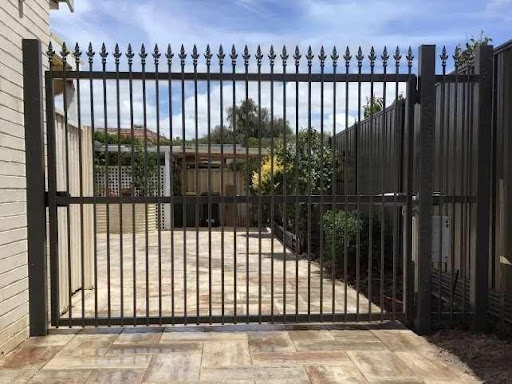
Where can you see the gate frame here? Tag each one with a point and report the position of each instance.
(418, 300)
(35, 177)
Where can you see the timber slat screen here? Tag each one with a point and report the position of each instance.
(310, 215)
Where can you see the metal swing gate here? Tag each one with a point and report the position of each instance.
(227, 196)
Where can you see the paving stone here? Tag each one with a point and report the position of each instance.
(217, 354)
(203, 336)
(278, 341)
(124, 376)
(277, 359)
(28, 357)
(134, 338)
(15, 376)
(139, 361)
(174, 367)
(265, 374)
(346, 373)
(429, 369)
(60, 377)
(378, 365)
(184, 346)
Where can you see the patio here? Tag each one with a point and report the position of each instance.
(234, 354)
(159, 274)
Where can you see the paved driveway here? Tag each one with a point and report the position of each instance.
(262, 355)
(257, 255)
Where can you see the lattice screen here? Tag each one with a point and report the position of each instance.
(116, 183)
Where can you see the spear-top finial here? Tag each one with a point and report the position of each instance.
(208, 55)
(310, 56)
(444, 56)
(77, 53)
(90, 53)
(194, 55)
(246, 56)
(129, 54)
(117, 54)
(143, 54)
(397, 56)
(322, 56)
(372, 57)
(103, 54)
(221, 55)
(347, 56)
(297, 56)
(385, 57)
(64, 52)
(334, 56)
(259, 55)
(284, 55)
(359, 57)
(169, 54)
(409, 57)
(233, 55)
(182, 55)
(156, 54)
(272, 55)
(50, 53)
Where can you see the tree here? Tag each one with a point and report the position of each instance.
(304, 169)
(373, 106)
(468, 53)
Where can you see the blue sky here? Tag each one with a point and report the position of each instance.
(290, 22)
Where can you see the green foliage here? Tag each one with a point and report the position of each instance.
(144, 171)
(468, 52)
(373, 106)
(340, 231)
(304, 164)
(341, 228)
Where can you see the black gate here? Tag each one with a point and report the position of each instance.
(216, 195)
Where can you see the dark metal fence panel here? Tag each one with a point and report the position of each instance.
(307, 231)
(500, 269)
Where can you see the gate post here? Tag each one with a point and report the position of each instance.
(482, 138)
(425, 168)
(35, 178)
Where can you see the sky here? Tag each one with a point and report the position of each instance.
(304, 23)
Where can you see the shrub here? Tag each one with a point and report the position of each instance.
(341, 226)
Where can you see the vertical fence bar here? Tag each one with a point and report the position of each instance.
(322, 58)
(183, 56)
(272, 57)
(482, 131)
(208, 56)
(52, 191)
(426, 70)
(259, 57)
(156, 57)
(247, 184)
(130, 55)
(233, 57)
(297, 57)
(221, 55)
(169, 55)
(77, 53)
(36, 207)
(104, 55)
(117, 55)
(195, 56)
(284, 57)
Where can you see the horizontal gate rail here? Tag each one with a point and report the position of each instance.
(391, 199)
(254, 77)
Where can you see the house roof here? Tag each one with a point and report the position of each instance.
(70, 4)
(138, 133)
